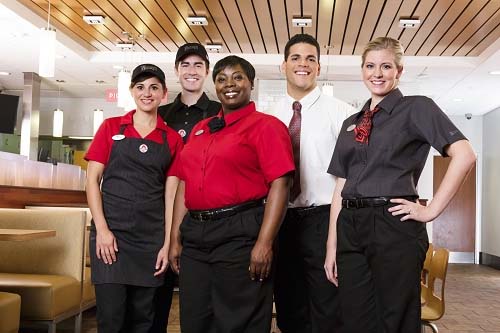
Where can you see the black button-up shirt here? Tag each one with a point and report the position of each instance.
(391, 163)
(182, 118)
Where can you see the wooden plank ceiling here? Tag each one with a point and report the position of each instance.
(448, 28)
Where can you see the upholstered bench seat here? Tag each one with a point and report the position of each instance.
(88, 294)
(10, 307)
(43, 296)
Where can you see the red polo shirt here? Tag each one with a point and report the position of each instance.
(100, 148)
(237, 163)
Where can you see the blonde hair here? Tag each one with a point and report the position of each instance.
(385, 43)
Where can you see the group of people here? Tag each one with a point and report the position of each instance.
(302, 206)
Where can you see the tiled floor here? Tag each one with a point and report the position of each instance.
(472, 303)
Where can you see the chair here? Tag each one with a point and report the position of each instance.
(46, 273)
(434, 306)
(274, 324)
(10, 309)
(427, 266)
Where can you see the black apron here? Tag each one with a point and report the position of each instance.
(133, 199)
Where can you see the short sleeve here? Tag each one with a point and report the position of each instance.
(337, 166)
(100, 147)
(274, 149)
(433, 125)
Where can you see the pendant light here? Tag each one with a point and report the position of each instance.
(124, 77)
(98, 118)
(327, 89)
(47, 58)
(57, 128)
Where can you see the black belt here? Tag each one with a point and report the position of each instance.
(371, 202)
(220, 213)
(302, 211)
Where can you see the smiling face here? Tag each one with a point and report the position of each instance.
(233, 88)
(380, 73)
(192, 72)
(301, 69)
(148, 94)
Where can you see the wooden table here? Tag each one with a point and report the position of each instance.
(24, 234)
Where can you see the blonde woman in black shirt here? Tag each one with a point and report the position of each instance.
(377, 237)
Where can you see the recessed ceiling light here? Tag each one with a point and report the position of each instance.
(495, 72)
(60, 81)
(197, 20)
(93, 19)
(125, 45)
(302, 22)
(5, 73)
(408, 22)
(213, 47)
(100, 81)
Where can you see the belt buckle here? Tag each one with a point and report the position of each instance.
(209, 215)
(351, 203)
(359, 203)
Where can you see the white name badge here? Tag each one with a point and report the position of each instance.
(200, 132)
(118, 137)
(351, 128)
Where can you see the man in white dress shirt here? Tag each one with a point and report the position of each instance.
(306, 302)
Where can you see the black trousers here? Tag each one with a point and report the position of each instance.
(379, 260)
(163, 302)
(215, 289)
(124, 308)
(306, 302)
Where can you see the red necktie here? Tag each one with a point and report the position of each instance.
(294, 129)
(363, 129)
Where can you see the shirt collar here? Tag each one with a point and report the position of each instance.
(308, 100)
(387, 104)
(238, 114)
(128, 119)
(202, 103)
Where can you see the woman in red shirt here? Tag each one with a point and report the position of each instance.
(231, 164)
(132, 209)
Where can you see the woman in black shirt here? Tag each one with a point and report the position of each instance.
(377, 237)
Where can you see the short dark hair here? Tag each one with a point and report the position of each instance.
(232, 61)
(301, 38)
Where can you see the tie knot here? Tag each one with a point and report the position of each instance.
(296, 106)
(370, 113)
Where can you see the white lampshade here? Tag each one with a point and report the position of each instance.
(124, 77)
(47, 59)
(98, 118)
(58, 123)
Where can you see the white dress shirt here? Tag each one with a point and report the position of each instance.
(322, 120)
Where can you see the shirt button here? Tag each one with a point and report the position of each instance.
(187, 113)
(185, 123)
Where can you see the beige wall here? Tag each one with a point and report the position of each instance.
(491, 184)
